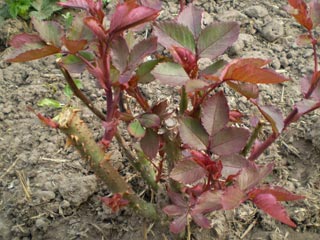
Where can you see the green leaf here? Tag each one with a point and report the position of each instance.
(136, 130)
(44, 8)
(193, 134)
(74, 64)
(68, 91)
(191, 17)
(172, 34)
(48, 102)
(216, 38)
(170, 73)
(149, 120)
(214, 67)
(143, 73)
(51, 32)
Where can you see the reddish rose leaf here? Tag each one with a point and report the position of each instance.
(215, 113)
(232, 197)
(249, 90)
(177, 199)
(187, 172)
(306, 83)
(195, 85)
(229, 140)
(179, 224)
(32, 51)
(120, 53)
(279, 193)
(172, 34)
(82, 4)
(149, 120)
(315, 12)
(21, 39)
(216, 38)
(304, 40)
(174, 210)
(251, 176)
(171, 74)
(74, 46)
(95, 26)
(50, 32)
(233, 164)
(115, 202)
(141, 50)
(201, 220)
(150, 143)
(208, 201)
(269, 204)
(250, 71)
(299, 10)
(191, 17)
(155, 4)
(130, 14)
(193, 134)
(185, 58)
(273, 116)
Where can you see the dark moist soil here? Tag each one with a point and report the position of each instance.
(47, 191)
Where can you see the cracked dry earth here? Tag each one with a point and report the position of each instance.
(47, 192)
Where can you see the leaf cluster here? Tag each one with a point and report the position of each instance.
(207, 160)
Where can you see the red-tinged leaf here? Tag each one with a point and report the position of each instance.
(268, 203)
(95, 26)
(155, 4)
(187, 172)
(215, 113)
(172, 34)
(49, 31)
(216, 38)
(130, 14)
(249, 70)
(32, 51)
(82, 4)
(195, 85)
(141, 50)
(174, 210)
(177, 199)
(279, 193)
(74, 46)
(74, 64)
(233, 164)
(273, 116)
(229, 140)
(21, 39)
(179, 224)
(300, 13)
(214, 68)
(191, 17)
(143, 72)
(185, 58)
(304, 40)
(249, 90)
(115, 202)
(149, 120)
(315, 12)
(136, 130)
(193, 134)
(150, 143)
(120, 53)
(251, 176)
(306, 83)
(78, 30)
(232, 197)
(160, 108)
(171, 74)
(305, 106)
(207, 202)
(201, 220)
(235, 116)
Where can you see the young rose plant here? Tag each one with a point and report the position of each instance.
(207, 162)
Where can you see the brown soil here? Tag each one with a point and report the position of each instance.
(47, 192)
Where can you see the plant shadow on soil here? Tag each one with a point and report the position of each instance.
(47, 192)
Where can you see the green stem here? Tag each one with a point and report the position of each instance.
(253, 137)
(81, 137)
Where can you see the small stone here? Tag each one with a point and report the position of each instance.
(77, 190)
(243, 41)
(233, 15)
(45, 196)
(64, 204)
(256, 11)
(42, 224)
(272, 31)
